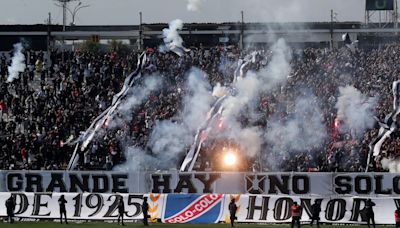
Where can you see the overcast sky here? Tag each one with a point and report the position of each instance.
(123, 12)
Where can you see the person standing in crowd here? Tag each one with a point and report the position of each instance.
(397, 217)
(10, 206)
(232, 210)
(121, 210)
(315, 210)
(145, 211)
(63, 211)
(296, 214)
(369, 211)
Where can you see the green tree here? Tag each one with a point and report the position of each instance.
(119, 47)
(93, 47)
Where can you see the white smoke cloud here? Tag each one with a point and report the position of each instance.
(355, 110)
(136, 159)
(250, 86)
(219, 90)
(194, 5)
(172, 40)
(122, 111)
(278, 68)
(17, 63)
(248, 138)
(137, 96)
(198, 99)
(393, 165)
(170, 139)
(303, 130)
(246, 92)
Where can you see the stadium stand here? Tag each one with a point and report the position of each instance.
(48, 104)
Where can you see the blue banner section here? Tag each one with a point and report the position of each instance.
(193, 208)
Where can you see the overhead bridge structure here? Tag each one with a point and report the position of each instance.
(313, 34)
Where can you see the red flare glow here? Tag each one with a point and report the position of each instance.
(337, 123)
(221, 123)
(204, 135)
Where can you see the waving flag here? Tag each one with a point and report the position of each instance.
(387, 127)
(107, 115)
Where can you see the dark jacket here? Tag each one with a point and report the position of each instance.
(315, 210)
(121, 207)
(145, 207)
(368, 208)
(62, 203)
(232, 208)
(10, 205)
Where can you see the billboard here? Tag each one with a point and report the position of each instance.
(379, 5)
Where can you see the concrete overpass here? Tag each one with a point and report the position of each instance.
(202, 33)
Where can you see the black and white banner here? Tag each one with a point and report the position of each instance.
(276, 209)
(322, 184)
(198, 208)
(91, 206)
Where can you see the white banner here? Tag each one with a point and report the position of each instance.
(90, 206)
(276, 209)
(300, 184)
(198, 208)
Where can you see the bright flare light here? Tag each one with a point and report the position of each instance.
(230, 159)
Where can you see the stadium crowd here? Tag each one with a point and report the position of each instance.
(49, 103)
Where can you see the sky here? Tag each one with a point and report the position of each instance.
(126, 12)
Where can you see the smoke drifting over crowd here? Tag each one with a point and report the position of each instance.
(17, 63)
(170, 139)
(172, 40)
(393, 165)
(297, 128)
(303, 130)
(266, 80)
(355, 110)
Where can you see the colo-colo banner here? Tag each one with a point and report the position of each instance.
(198, 208)
(323, 184)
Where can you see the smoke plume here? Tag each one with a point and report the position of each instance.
(17, 63)
(198, 99)
(170, 139)
(194, 5)
(246, 91)
(393, 165)
(172, 40)
(136, 97)
(121, 112)
(273, 76)
(355, 110)
(302, 130)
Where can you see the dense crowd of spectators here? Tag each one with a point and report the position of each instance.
(51, 103)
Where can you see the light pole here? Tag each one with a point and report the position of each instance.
(242, 30)
(65, 8)
(140, 32)
(63, 5)
(75, 11)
